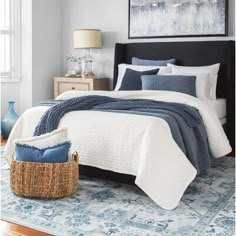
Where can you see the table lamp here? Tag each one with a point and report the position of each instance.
(87, 39)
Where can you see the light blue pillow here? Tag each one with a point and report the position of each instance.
(176, 83)
(53, 154)
(145, 62)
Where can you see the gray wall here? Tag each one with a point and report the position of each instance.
(47, 48)
(47, 38)
(112, 18)
(41, 54)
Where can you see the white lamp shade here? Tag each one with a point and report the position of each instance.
(87, 38)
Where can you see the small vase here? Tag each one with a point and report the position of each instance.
(8, 120)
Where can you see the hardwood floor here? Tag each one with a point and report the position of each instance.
(3, 142)
(9, 229)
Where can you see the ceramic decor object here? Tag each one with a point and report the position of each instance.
(8, 120)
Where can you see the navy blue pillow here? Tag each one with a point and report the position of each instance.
(144, 62)
(53, 154)
(177, 83)
(132, 79)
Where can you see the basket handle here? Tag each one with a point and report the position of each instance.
(75, 156)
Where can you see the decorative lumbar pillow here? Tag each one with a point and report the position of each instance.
(53, 154)
(176, 83)
(203, 85)
(132, 79)
(145, 62)
(49, 139)
(122, 69)
(211, 71)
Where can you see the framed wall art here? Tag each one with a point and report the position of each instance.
(177, 18)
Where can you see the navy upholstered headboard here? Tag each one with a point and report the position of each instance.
(199, 53)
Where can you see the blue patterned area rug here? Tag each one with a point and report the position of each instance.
(108, 208)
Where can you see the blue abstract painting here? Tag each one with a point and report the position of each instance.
(172, 18)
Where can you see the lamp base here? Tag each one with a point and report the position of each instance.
(87, 64)
(88, 76)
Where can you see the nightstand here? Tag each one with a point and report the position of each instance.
(63, 84)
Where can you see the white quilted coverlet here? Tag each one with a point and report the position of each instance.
(132, 144)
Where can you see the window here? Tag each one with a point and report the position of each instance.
(10, 40)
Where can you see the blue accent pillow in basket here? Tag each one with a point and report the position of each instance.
(53, 154)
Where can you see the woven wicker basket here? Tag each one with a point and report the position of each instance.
(44, 180)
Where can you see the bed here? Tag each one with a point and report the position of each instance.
(191, 54)
(127, 143)
(219, 106)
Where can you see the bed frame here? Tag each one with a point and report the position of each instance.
(199, 53)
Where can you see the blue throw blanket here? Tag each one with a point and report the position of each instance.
(185, 121)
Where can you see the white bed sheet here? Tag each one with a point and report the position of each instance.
(219, 106)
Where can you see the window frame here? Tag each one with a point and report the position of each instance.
(14, 32)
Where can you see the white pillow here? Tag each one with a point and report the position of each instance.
(46, 140)
(212, 75)
(165, 70)
(212, 69)
(122, 68)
